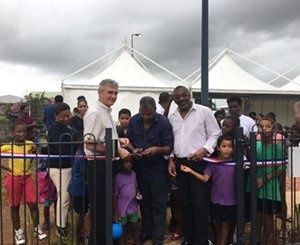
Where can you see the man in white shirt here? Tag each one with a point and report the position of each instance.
(234, 107)
(195, 132)
(95, 122)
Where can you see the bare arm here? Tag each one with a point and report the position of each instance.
(95, 147)
(172, 167)
(5, 167)
(264, 179)
(202, 177)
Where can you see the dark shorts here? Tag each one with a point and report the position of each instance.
(269, 206)
(222, 213)
(80, 204)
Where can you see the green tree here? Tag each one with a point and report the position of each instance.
(36, 104)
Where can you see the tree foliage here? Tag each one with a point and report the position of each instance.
(36, 104)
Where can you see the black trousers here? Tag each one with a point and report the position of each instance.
(153, 207)
(194, 202)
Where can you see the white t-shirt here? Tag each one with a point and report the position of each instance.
(160, 109)
(248, 124)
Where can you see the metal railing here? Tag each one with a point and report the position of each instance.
(285, 226)
(40, 161)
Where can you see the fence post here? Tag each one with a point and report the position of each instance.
(253, 188)
(240, 190)
(108, 185)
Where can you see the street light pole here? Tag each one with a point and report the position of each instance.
(204, 55)
(132, 35)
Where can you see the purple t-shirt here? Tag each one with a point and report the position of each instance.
(223, 183)
(125, 191)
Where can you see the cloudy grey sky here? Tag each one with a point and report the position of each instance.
(42, 41)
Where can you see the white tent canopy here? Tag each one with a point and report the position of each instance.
(134, 82)
(292, 85)
(225, 76)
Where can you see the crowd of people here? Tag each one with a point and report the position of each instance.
(176, 157)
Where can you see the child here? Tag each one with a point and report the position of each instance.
(222, 190)
(77, 120)
(268, 187)
(78, 189)
(124, 117)
(19, 183)
(47, 190)
(60, 136)
(229, 124)
(125, 201)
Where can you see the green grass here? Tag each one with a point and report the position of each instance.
(3, 119)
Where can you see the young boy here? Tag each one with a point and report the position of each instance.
(124, 117)
(19, 183)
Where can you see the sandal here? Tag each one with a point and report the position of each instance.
(175, 236)
(282, 235)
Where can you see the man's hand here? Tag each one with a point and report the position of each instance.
(198, 155)
(137, 152)
(172, 168)
(123, 153)
(124, 142)
(151, 151)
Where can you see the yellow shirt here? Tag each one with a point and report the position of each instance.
(19, 166)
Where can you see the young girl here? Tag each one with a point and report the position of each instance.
(222, 190)
(19, 183)
(126, 195)
(77, 120)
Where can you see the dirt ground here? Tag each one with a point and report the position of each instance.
(6, 233)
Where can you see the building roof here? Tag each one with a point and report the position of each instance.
(10, 99)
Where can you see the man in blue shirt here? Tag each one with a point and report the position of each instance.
(49, 116)
(151, 138)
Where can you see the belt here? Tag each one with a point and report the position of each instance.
(185, 160)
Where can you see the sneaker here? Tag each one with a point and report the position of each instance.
(45, 226)
(39, 233)
(62, 232)
(19, 237)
